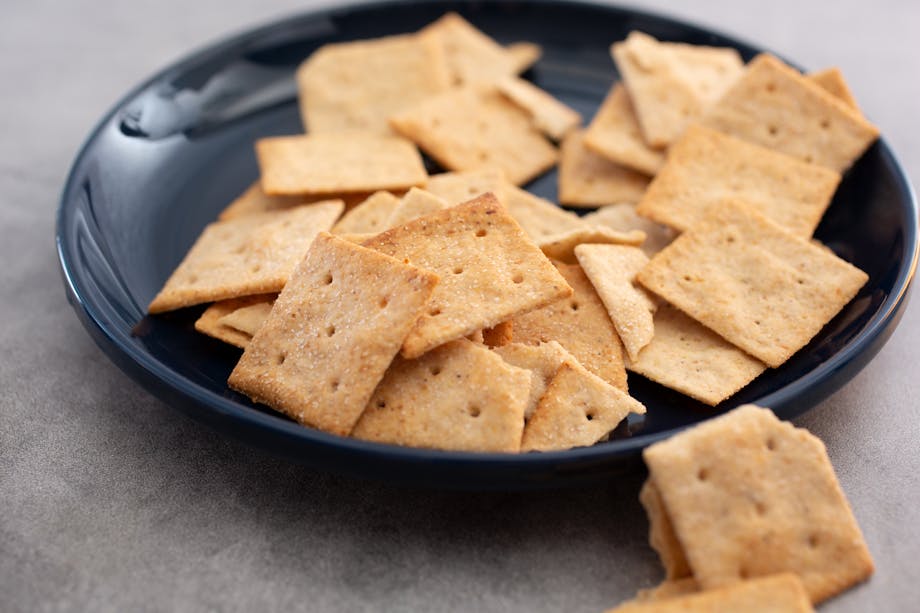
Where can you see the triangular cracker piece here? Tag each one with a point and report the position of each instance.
(249, 255)
(368, 217)
(460, 396)
(781, 593)
(774, 106)
(705, 167)
(416, 203)
(489, 270)
(471, 55)
(249, 318)
(524, 55)
(543, 360)
(356, 86)
(330, 164)
(476, 127)
(211, 323)
(750, 496)
(670, 83)
(457, 187)
(612, 271)
(254, 200)
(539, 217)
(831, 79)
(577, 409)
(623, 217)
(662, 538)
(688, 357)
(548, 114)
(561, 247)
(581, 325)
(587, 179)
(615, 134)
(332, 333)
(775, 291)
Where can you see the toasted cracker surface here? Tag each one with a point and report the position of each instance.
(543, 359)
(524, 55)
(561, 247)
(471, 55)
(615, 134)
(662, 538)
(249, 318)
(623, 217)
(332, 333)
(461, 186)
(254, 200)
(548, 114)
(369, 216)
(832, 80)
(589, 180)
(211, 323)
(416, 203)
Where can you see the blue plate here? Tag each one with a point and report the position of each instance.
(178, 148)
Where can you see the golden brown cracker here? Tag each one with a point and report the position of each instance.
(249, 255)
(615, 134)
(831, 79)
(589, 180)
(548, 114)
(705, 167)
(477, 127)
(368, 217)
(623, 217)
(254, 200)
(357, 85)
(330, 163)
(539, 217)
(561, 247)
(774, 106)
(750, 496)
(669, 588)
(249, 318)
(543, 359)
(524, 55)
(416, 203)
(332, 333)
(457, 187)
(210, 321)
(489, 270)
(581, 325)
(471, 55)
(662, 538)
(459, 396)
(758, 286)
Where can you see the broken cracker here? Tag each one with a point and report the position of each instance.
(587, 179)
(549, 115)
(416, 203)
(524, 55)
(663, 540)
(831, 80)
(368, 217)
(210, 321)
(561, 247)
(249, 318)
(623, 217)
(471, 55)
(615, 134)
(543, 359)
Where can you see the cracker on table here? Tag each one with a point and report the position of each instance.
(615, 134)
(589, 180)
(548, 114)
(210, 321)
(368, 217)
(328, 163)
(671, 83)
(577, 409)
(831, 80)
(749, 496)
(332, 333)
(774, 106)
(250, 317)
(416, 203)
(248, 255)
(780, 593)
(580, 324)
(524, 55)
(459, 396)
(623, 217)
(663, 540)
(490, 270)
(476, 127)
(686, 356)
(543, 359)
(755, 284)
(356, 86)
(561, 247)
(471, 55)
(705, 167)
(612, 271)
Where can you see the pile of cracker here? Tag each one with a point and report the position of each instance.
(459, 311)
(746, 514)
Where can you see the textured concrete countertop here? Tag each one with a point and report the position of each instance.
(111, 500)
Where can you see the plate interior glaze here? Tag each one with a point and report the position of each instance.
(178, 148)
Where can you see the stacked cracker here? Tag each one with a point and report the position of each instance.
(746, 514)
(349, 320)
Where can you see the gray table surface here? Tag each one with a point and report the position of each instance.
(111, 500)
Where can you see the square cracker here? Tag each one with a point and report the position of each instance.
(688, 357)
(671, 83)
(612, 271)
(661, 536)
(489, 270)
(471, 55)
(356, 86)
(831, 80)
(774, 106)
(249, 255)
(706, 166)
(615, 134)
(749, 496)
(543, 360)
(580, 324)
(211, 323)
(548, 114)
(460, 396)
(476, 127)
(758, 286)
(623, 217)
(416, 203)
(330, 163)
(332, 333)
(780, 593)
(577, 409)
(587, 179)
(368, 217)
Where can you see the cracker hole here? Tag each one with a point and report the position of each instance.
(334, 384)
(483, 156)
(256, 268)
(771, 444)
(809, 159)
(800, 281)
(458, 270)
(730, 240)
(589, 415)
(435, 371)
(384, 302)
(474, 410)
(813, 541)
(761, 508)
(743, 572)
(574, 306)
(330, 330)
(279, 360)
(688, 278)
(328, 278)
(773, 130)
(518, 278)
(480, 233)
(771, 87)
(434, 312)
(825, 123)
(756, 322)
(702, 474)
(381, 404)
